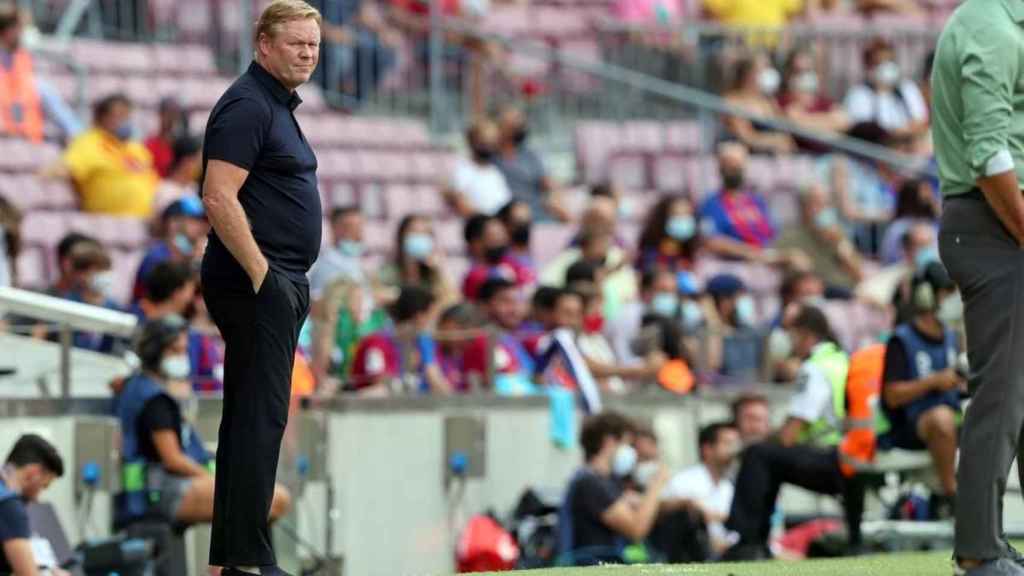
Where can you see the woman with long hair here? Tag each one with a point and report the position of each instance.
(670, 238)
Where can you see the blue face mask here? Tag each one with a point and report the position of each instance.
(418, 246)
(183, 244)
(693, 316)
(124, 131)
(826, 219)
(746, 311)
(924, 257)
(681, 228)
(350, 248)
(665, 304)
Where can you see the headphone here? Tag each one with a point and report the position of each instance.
(155, 337)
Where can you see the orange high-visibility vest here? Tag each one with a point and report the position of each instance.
(303, 382)
(863, 386)
(20, 111)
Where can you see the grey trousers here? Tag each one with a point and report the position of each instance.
(988, 267)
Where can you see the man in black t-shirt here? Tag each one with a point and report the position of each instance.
(922, 386)
(598, 517)
(30, 467)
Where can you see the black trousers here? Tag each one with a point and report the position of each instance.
(260, 333)
(764, 469)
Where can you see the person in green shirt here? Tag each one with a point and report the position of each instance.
(978, 131)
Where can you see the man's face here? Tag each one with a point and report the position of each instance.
(921, 238)
(803, 342)
(35, 479)
(569, 313)
(808, 288)
(118, 114)
(495, 236)
(349, 227)
(291, 54)
(664, 283)
(506, 309)
(723, 452)
(753, 423)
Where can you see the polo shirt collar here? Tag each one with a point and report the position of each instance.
(1016, 9)
(283, 95)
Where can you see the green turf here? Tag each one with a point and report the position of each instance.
(913, 564)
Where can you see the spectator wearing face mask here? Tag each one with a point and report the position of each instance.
(804, 103)
(488, 246)
(598, 518)
(753, 90)
(735, 221)
(171, 290)
(477, 185)
(916, 203)
(111, 171)
(735, 344)
(403, 356)
(418, 261)
(821, 237)
(659, 296)
(890, 286)
(183, 233)
(797, 289)
(886, 97)
(670, 239)
(86, 277)
(612, 375)
(517, 216)
(173, 125)
(527, 179)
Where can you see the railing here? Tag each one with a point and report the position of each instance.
(68, 317)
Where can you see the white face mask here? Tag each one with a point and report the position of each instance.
(176, 367)
(624, 460)
(102, 283)
(693, 315)
(951, 311)
(806, 82)
(780, 346)
(768, 81)
(887, 73)
(746, 311)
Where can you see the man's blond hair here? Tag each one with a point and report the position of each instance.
(281, 11)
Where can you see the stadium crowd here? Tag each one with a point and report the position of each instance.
(611, 312)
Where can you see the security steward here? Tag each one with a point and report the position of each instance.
(810, 450)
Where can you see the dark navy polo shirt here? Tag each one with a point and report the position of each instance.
(253, 127)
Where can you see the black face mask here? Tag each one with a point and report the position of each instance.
(520, 136)
(483, 154)
(495, 254)
(520, 235)
(732, 179)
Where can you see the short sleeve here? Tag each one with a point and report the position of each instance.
(237, 131)
(13, 521)
(897, 365)
(159, 414)
(914, 100)
(80, 157)
(814, 396)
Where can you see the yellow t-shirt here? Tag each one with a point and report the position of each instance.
(112, 177)
(753, 13)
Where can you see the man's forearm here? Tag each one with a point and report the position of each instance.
(899, 394)
(232, 227)
(1003, 194)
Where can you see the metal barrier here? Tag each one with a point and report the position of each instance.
(68, 317)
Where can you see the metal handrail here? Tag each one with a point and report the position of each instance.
(70, 316)
(700, 99)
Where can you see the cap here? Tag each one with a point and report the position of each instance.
(725, 285)
(190, 206)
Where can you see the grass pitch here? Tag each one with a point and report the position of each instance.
(904, 564)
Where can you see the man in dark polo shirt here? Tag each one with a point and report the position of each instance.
(31, 466)
(260, 193)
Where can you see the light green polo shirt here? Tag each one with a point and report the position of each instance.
(978, 94)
